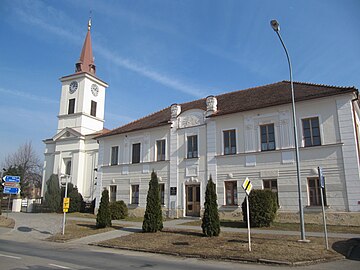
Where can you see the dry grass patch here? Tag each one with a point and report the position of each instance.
(7, 222)
(226, 246)
(78, 229)
(285, 226)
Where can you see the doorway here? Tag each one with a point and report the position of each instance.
(193, 200)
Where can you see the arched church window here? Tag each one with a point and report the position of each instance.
(68, 168)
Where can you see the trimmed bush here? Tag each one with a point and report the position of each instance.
(263, 207)
(153, 213)
(103, 218)
(211, 222)
(118, 210)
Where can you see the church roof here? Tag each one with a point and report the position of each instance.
(239, 101)
(86, 60)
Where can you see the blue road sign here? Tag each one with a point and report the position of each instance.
(11, 179)
(11, 190)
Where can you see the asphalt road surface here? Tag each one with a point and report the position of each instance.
(42, 255)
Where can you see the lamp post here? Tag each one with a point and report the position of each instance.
(66, 176)
(276, 27)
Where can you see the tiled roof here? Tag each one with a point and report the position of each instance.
(239, 101)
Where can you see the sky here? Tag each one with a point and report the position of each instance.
(154, 53)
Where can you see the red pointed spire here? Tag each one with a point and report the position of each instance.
(86, 61)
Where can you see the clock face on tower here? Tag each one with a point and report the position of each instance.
(94, 89)
(73, 87)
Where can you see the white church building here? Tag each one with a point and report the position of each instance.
(246, 133)
(72, 150)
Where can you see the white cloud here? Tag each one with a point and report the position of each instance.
(28, 96)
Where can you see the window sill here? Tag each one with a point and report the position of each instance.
(133, 205)
(229, 207)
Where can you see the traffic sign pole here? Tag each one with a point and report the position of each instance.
(248, 221)
(64, 218)
(322, 187)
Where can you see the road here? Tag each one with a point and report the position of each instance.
(41, 255)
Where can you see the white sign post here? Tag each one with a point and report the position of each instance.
(322, 186)
(247, 186)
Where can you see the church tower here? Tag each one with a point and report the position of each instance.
(72, 152)
(82, 100)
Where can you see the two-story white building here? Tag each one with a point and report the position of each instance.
(247, 133)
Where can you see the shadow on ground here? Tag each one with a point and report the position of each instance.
(349, 248)
(28, 229)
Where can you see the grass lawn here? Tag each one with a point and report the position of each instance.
(230, 246)
(286, 226)
(6, 222)
(77, 229)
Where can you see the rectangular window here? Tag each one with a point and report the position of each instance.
(311, 132)
(162, 193)
(267, 137)
(160, 150)
(114, 155)
(136, 153)
(314, 192)
(192, 143)
(71, 108)
(231, 193)
(229, 142)
(93, 108)
(113, 193)
(135, 194)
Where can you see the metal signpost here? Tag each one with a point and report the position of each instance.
(247, 186)
(322, 186)
(66, 204)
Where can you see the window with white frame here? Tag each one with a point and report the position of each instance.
(267, 134)
(311, 131)
(136, 147)
(192, 146)
(134, 194)
(114, 155)
(113, 193)
(229, 142)
(68, 167)
(231, 193)
(314, 192)
(160, 150)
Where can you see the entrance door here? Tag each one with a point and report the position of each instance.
(193, 200)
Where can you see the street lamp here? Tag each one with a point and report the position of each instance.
(66, 176)
(276, 27)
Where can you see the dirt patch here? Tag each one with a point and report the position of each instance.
(228, 246)
(78, 229)
(7, 222)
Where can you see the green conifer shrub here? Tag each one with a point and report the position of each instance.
(211, 222)
(263, 207)
(103, 218)
(153, 215)
(118, 210)
(53, 194)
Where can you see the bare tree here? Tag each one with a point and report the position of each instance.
(28, 164)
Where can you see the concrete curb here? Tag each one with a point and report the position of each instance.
(233, 259)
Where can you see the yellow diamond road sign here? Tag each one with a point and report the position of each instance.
(247, 186)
